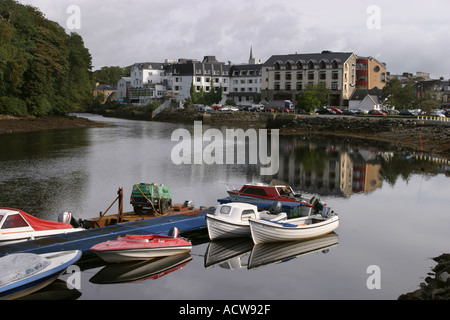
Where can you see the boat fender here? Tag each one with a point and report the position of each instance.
(173, 232)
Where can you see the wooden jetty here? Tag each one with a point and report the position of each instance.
(109, 227)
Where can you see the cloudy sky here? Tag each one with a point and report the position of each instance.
(409, 36)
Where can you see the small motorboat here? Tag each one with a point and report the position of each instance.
(141, 247)
(263, 230)
(16, 226)
(263, 195)
(24, 273)
(232, 220)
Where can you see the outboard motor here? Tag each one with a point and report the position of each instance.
(276, 208)
(66, 217)
(317, 205)
(189, 204)
(173, 232)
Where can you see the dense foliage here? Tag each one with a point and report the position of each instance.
(43, 70)
(111, 75)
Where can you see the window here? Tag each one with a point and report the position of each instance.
(300, 75)
(288, 76)
(299, 86)
(225, 210)
(248, 214)
(310, 65)
(255, 191)
(323, 75)
(299, 65)
(288, 66)
(311, 76)
(14, 221)
(288, 86)
(277, 66)
(277, 76)
(334, 86)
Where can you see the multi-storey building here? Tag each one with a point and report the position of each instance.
(286, 76)
(206, 75)
(147, 82)
(245, 82)
(370, 73)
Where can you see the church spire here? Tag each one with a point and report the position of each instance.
(251, 53)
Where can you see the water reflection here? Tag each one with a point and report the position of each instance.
(340, 170)
(140, 270)
(242, 253)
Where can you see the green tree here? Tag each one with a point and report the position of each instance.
(314, 96)
(398, 95)
(41, 66)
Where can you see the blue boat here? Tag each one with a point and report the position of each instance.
(25, 273)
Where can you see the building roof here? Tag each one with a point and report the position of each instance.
(149, 65)
(361, 94)
(305, 57)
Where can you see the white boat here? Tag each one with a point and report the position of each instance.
(16, 226)
(25, 273)
(263, 230)
(232, 220)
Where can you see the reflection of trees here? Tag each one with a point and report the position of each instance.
(401, 166)
(312, 159)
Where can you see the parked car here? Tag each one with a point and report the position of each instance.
(406, 112)
(337, 110)
(349, 112)
(438, 113)
(377, 113)
(325, 111)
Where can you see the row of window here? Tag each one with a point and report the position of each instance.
(310, 76)
(299, 86)
(310, 65)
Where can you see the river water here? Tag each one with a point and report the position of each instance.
(393, 209)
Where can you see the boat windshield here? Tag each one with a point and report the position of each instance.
(225, 210)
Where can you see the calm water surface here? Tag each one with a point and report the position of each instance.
(393, 209)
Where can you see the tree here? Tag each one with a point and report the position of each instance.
(41, 67)
(314, 96)
(398, 95)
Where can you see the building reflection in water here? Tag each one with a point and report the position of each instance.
(343, 169)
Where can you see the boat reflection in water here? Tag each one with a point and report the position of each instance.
(232, 253)
(140, 270)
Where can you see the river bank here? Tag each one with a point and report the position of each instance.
(9, 124)
(409, 134)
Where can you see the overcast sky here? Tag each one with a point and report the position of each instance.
(409, 36)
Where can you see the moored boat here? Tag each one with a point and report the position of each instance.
(24, 273)
(263, 195)
(263, 230)
(16, 225)
(232, 220)
(141, 247)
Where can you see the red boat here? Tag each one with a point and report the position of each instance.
(261, 194)
(141, 247)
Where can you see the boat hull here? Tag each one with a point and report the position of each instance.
(222, 229)
(139, 254)
(59, 262)
(264, 231)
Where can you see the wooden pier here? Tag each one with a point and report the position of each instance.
(84, 240)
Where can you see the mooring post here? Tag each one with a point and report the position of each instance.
(120, 213)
